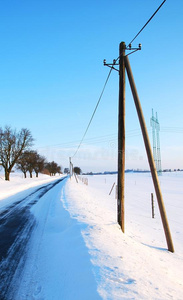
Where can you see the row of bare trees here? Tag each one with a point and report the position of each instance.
(30, 161)
(53, 168)
(15, 150)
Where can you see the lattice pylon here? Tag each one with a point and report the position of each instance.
(156, 142)
(159, 169)
(153, 124)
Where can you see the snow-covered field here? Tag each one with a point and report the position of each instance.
(135, 265)
(81, 252)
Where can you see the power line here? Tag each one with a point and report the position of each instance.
(114, 62)
(142, 29)
(93, 113)
(147, 22)
(95, 139)
(172, 129)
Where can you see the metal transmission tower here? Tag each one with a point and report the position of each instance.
(156, 142)
(159, 169)
(153, 124)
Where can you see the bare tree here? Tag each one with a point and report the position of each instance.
(22, 163)
(31, 161)
(53, 168)
(77, 170)
(66, 171)
(12, 144)
(39, 164)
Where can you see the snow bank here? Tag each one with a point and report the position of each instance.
(18, 184)
(135, 265)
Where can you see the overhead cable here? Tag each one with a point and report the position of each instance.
(147, 22)
(109, 76)
(93, 113)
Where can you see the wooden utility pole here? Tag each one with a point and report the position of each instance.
(121, 138)
(70, 166)
(75, 177)
(150, 156)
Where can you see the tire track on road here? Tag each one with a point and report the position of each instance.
(16, 226)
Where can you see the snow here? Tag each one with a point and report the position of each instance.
(18, 183)
(78, 251)
(134, 265)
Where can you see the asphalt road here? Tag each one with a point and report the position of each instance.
(16, 226)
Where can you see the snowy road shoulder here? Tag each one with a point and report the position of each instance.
(125, 266)
(58, 264)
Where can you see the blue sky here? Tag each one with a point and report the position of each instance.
(52, 74)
